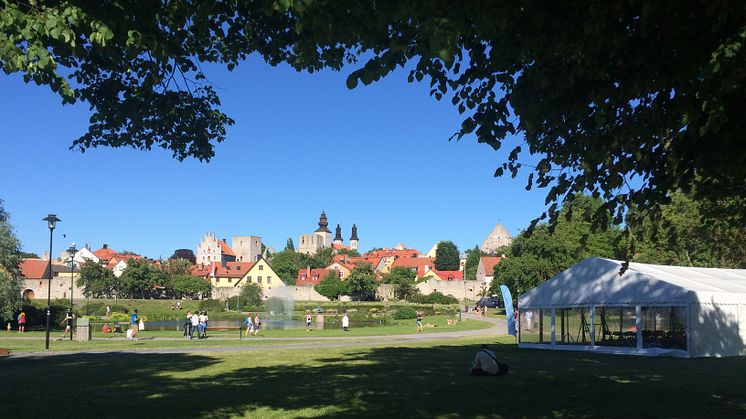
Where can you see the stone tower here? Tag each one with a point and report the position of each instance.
(497, 238)
(247, 248)
(353, 238)
(338, 236)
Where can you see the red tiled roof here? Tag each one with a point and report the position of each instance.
(33, 268)
(105, 252)
(398, 253)
(449, 275)
(229, 270)
(489, 263)
(311, 278)
(421, 264)
(226, 250)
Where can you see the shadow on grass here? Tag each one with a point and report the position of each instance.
(397, 381)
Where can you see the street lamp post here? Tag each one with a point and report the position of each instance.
(72, 250)
(51, 220)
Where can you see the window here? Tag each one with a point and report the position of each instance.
(571, 326)
(664, 327)
(261, 267)
(259, 279)
(535, 325)
(249, 279)
(269, 279)
(615, 326)
(217, 280)
(230, 280)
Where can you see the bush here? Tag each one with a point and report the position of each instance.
(119, 317)
(245, 305)
(404, 313)
(438, 298)
(211, 305)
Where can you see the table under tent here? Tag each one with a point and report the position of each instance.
(648, 310)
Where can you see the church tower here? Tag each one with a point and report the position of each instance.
(353, 238)
(325, 235)
(338, 236)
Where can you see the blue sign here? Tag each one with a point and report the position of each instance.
(508, 309)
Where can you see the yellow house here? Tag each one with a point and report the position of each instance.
(262, 274)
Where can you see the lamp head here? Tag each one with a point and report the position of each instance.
(51, 220)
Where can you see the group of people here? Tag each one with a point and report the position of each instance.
(252, 325)
(196, 323)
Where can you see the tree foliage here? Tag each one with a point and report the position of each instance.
(611, 99)
(447, 257)
(186, 286)
(140, 278)
(331, 286)
(403, 280)
(472, 263)
(97, 281)
(362, 284)
(177, 266)
(251, 295)
(289, 245)
(536, 256)
(10, 280)
(287, 263)
(693, 232)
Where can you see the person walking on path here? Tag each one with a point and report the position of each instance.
(346, 323)
(249, 325)
(188, 325)
(203, 323)
(308, 321)
(257, 324)
(419, 321)
(195, 325)
(134, 324)
(68, 321)
(22, 322)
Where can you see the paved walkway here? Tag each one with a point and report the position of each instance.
(499, 326)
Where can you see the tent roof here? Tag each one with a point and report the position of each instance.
(597, 281)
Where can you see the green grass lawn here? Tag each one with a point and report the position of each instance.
(405, 380)
(115, 341)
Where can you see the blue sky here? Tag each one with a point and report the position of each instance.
(377, 156)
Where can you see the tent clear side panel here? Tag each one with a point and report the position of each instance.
(535, 326)
(664, 327)
(572, 326)
(616, 326)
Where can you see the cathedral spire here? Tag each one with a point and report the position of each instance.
(338, 235)
(354, 232)
(323, 224)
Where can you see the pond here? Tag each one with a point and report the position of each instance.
(271, 324)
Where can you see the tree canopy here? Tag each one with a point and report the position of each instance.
(447, 257)
(362, 284)
(10, 281)
(625, 100)
(472, 263)
(536, 256)
(331, 286)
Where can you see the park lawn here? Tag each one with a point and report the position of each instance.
(116, 341)
(425, 379)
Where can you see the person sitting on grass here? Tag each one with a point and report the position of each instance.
(106, 328)
(485, 363)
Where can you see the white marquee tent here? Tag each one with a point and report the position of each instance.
(649, 310)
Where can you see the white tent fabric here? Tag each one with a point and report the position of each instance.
(715, 299)
(597, 281)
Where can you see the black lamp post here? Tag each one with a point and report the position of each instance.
(51, 220)
(72, 250)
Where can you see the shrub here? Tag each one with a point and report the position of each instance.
(211, 305)
(438, 298)
(405, 313)
(119, 317)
